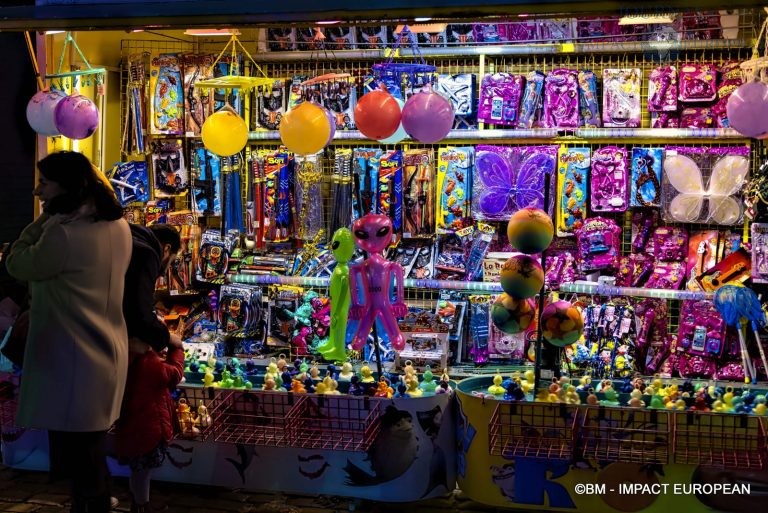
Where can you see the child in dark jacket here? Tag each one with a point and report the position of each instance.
(146, 420)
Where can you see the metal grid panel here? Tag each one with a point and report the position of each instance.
(253, 418)
(626, 434)
(717, 440)
(533, 430)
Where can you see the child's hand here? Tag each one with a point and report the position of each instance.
(175, 341)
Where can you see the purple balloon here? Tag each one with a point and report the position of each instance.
(332, 121)
(428, 117)
(40, 111)
(747, 109)
(77, 117)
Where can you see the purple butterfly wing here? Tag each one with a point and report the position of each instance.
(496, 181)
(529, 183)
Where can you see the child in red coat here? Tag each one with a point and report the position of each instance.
(146, 420)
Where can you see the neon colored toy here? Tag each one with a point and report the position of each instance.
(373, 233)
(343, 246)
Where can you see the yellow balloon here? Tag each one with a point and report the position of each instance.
(225, 133)
(305, 129)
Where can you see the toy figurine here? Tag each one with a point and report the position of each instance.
(309, 385)
(412, 387)
(320, 388)
(636, 399)
(282, 363)
(272, 370)
(611, 397)
(314, 372)
(373, 233)
(343, 246)
(760, 408)
(303, 318)
(428, 383)
(384, 390)
(208, 378)
(592, 399)
(354, 386)
(269, 384)
(496, 388)
(346, 372)
(409, 369)
(330, 385)
(366, 374)
(186, 420)
(203, 418)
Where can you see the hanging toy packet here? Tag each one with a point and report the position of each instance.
(608, 180)
(561, 99)
(598, 242)
(130, 180)
(646, 177)
(589, 107)
(621, 97)
(214, 257)
(698, 83)
(572, 172)
(390, 189)
(167, 102)
(454, 186)
(531, 102)
(419, 193)
(759, 252)
(238, 308)
(662, 89)
(500, 99)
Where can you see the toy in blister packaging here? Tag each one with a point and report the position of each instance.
(589, 106)
(735, 268)
(705, 248)
(167, 101)
(492, 32)
(454, 186)
(670, 244)
(431, 38)
(560, 267)
(340, 98)
(572, 171)
(598, 29)
(390, 189)
(556, 30)
(608, 180)
(451, 259)
(460, 33)
(697, 117)
(503, 346)
(667, 275)
(269, 106)
(531, 102)
(662, 89)
(156, 211)
(481, 241)
(702, 330)
(130, 180)
(507, 179)
(621, 97)
(340, 38)
(419, 193)
(278, 171)
(646, 177)
(181, 271)
(561, 99)
(665, 120)
(170, 172)
(697, 24)
(687, 170)
(698, 83)
(518, 31)
(460, 90)
(479, 327)
(310, 38)
(239, 308)
(283, 301)
(365, 168)
(374, 36)
(598, 245)
(310, 217)
(416, 256)
(213, 261)
(730, 79)
(634, 270)
(281, 39)
(206, 184)
(759, 252)
(198, 104)
(500, 99)
(643, 223)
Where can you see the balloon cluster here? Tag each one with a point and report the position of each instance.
(52, 112)
(427, 116)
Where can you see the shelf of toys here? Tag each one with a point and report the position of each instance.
(647, 184)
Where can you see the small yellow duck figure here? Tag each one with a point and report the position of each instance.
(208, 378)
(330, 385)
(760, 407)
(203, 418)
(314, 372)
(347, 371)
(636, 399)
(728, 399)
(542, 395)
(297, 387)
(409, 369)
(272, 370)
(584, 383)
(320, 388)
(718, 406)
(530, 381)
(269, 384)
(572, 396)
(496, 388)
(366, 374)
(186, 420)
(383, 389)
(412, 387)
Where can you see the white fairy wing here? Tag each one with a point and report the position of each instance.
(684, 174)
(724, 209)
(686, 208)
(728, 175)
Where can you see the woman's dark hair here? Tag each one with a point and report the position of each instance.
(167, 234)
(79, 179)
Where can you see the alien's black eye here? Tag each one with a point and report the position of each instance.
(335, 244)
(361, 234)
(384, 230)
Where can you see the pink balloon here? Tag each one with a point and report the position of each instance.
(747, 109)
(40, 111)
(428, 116)
(77, 117)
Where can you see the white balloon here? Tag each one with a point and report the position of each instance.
(400, 133)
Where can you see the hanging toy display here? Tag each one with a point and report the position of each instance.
(428, 116)
(41, 109)
(530, 230)
(373, 233)
(225, 132)
(343, 246)
(76, 117)
(306, 129)
(561, 323)
(522, 277)
(377, 114)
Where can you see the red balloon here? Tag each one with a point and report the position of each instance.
(377, 115)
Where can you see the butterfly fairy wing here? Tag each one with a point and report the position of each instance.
(724, 209)
(684, 174)
(728, 175)
(529, 183)
(494, 202)
(686, 208)
(496, 178)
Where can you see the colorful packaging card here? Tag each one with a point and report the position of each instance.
(460, 34)
(698, 83)
(340, 99)
(697, 117)
(608, 180)
(665, 120)
(598, 245)
(365, 168)
(310, 38)
(704, 249)
(281, 39)
(213, 262)
(735, 268)
(645, 185)
(390, 188)
(454, 187)
(277, 196)
(621, 97)
(341, 38)
(232, 97)
(532, 100)
(206, 185)
(130, 181)
(171, 176)
(556, 30)
(268, 107)
(198, 103)
(372, 36)
(167, 95)
(156, 211)
(589, 104)
(759, 252)
(572, 174)
(667, 275)
(670, 244)
(500, 99)
(419, 193)
(460, 89)
(662, 89)
(561, 99)
(431, 38)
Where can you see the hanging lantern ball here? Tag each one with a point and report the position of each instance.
(41, 111)
(747, 109)
(76, 117)
(305, 129)
(428, 116)
(377, 115)
(530, 230)
(400, 133)
(224, 133)
(512, 315)
(562, 323)
(522, 276)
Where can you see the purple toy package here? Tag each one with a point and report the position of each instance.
(560, 267)
(662, 89)
(500, 98)
(518, 31)
(530, 106)
(667, 275)
(589, 107)
(665, 120)
(609, 180)
(507, 179)
(634, 270)
(621, 97)
(702, 329)
(698, 83)
(556, 30)
(670, 244)
(598, 242)
(561, 99)
(598, 29)
(696, 117)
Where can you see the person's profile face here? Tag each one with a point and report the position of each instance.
(47, 189)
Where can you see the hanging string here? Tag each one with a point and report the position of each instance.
(30, 48)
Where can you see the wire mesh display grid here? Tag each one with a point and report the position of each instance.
(193, 411)
(253, 418)
(533, 430)
(625, 434)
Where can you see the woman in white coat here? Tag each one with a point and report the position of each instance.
(74, 256)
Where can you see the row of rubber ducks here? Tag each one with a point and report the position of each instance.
(516, 388)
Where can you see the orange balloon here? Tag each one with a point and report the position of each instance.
(306, 129)
(377, 115)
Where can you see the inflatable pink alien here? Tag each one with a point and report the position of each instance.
(373, 233)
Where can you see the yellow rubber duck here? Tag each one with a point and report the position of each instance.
(347, 371)
(636, 399)
(208, 378)
(542, 395)
(366, 374)
(718, 406)
(383, 390)
(496, 388)
(330, 385)
(412, 387)
(269, 384)
(760, 407)
(320, 388)
(282, 363)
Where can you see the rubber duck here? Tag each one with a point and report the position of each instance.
(611, 397)
(513, 392)
(208, 378)
(366, 374)
(496, 388)
(320, 388)
(269, 384)
(656, 403)
(657, 384)
(572, 396)
(309, 385)
(428, 383)
(383, 389)
(272, 370)
(718, 406)
(186, 420)
(412, 387)
(728, 398)
(760, 407)
(297, 387)
(584, 383)
(226, 380)
(347, 371)
(592, 399)
(314, 372)
(303, 368)
(282, 363)
(530, 381)
(203, 417)
(354, 386)
(409, 369)
(636, 399)
(330, 385)
(542, 395)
